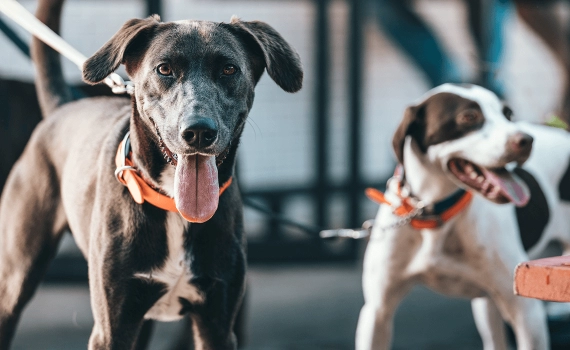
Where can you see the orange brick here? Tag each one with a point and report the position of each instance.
(545, 279)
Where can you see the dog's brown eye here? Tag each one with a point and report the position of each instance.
(469, 117)
(229, 69)
(164, 69)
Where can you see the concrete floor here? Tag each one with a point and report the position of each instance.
(290, 308)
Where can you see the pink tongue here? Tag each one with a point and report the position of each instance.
(510, 184)
(196, 189)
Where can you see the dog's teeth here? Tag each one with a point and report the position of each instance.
(168, 159)
(473, 175)
(480, 179)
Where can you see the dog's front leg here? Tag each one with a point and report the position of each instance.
(528, 319)
(375, 323)
(212, 325)
(526, 316)
(213, 320)
(385, 285)
(119, 305)
(119, 298)
(489, 323)
(219, 274)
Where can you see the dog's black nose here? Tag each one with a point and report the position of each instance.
(521, 142)
(200, 132)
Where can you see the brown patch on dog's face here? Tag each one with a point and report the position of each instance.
(450, 117)
(442, 117)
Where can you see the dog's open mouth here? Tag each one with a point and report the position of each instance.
(498, 184)
(196, 188)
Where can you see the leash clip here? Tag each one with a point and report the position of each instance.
(126, 145)
(361, 233)
(119, 173)
(118, 85)
(419, 204)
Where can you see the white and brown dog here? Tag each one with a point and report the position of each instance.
(467, 200)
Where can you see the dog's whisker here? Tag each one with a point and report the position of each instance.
(254, 125)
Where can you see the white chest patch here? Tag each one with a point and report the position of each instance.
(174, 274)
(166, 180)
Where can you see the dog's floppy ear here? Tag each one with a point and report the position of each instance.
(112, 54)
(410, 125)
(279, 58)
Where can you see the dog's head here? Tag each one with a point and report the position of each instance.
(194, 86)
(466, 131)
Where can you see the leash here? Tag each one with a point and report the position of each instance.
(308, 229)
(29, 22)
(361, 233)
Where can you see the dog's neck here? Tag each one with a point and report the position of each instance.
(426, 180)
(146, 152)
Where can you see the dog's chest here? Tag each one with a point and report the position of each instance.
(443, 262)
(452, 284)
(174, 274)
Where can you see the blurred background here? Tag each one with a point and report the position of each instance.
(307, 157)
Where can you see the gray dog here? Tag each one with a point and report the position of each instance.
(194, 87)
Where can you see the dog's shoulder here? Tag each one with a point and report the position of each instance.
(78, 132)
(101, 108)
(84, 118)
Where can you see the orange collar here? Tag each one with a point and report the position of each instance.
(438, 214)
(140, 190)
